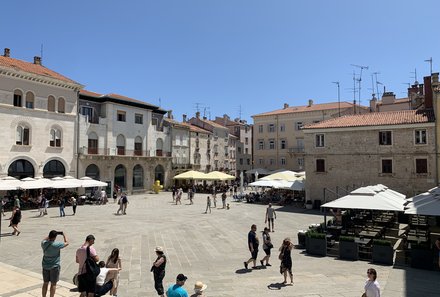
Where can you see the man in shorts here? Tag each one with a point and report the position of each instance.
(253, 243)
(86, 285)
(51, 261)
(270, 216)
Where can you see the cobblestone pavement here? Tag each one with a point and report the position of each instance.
(206, 247)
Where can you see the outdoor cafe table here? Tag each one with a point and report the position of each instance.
(362, 241)
(418, 239)
(370, 234)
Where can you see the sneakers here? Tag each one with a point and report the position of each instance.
(245, 265)
(268, 264)
(254, 267)
(261, 261)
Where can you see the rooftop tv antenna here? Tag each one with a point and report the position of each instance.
(377, 88)
(430, 65)
(415, 76)
(339, 98)
(359, 80)
(197, 104)
(239, 112)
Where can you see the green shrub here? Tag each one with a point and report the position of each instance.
(381, 242)
(420, 246)
(346, 238)
(317, 235)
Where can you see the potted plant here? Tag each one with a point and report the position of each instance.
(421, 256)
(309, 204)
(382, 252)
(316, 244)
(348, 248)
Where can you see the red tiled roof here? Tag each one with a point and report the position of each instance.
(114, 96)
(400, 117)
(20, 65)
(214, 124)
(176, 123)
(89, 93)
(396, 101)
(194, 128)
(306, 108)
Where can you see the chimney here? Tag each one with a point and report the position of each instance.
(310, 102)
(7, 52)
(37, 60)
(170, 114)
(198, 114)
(286, 106)
(373, 104)
(184, 118)
(428, 92)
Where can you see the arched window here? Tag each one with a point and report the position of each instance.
(92, 144)
(55, 137)
(22, 136)
(51, 103)
(61, 105)
(121, 176)
(92, 171)
(138, 177)
(159, 174)
(30, 98)
(54, 168)
(17, 98)
(120, 144)
(138, 146)
(21, 169)
(159, 147)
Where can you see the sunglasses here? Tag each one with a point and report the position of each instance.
(369, 272)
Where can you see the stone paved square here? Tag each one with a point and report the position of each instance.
(206, 247)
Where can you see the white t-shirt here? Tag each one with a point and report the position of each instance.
(270, 212)
(372, 289)
(100, 279)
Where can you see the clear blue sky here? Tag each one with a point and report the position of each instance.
(227, 54)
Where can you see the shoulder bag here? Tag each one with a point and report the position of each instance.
(92, 269)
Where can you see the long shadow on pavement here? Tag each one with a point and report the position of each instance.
(276, 286)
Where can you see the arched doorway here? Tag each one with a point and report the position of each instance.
(92, 171)
(121, 176)
(159, 174)
(138, 177)
(21, 169)
(54, 168)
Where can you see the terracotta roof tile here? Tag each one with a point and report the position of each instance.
(306, 108)
(116, 96)
(377, 119)
(89, 93)
(194, 128)
(20, 65)
(214, 124)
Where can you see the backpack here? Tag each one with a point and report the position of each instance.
(92, 269)
(124, 199)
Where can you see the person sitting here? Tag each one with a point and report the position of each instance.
(103, 287)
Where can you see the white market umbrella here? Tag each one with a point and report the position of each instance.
(35, 183)
(9, 183)
(87, 182)
(192, 174)
(218, 175)
(66, 182)
(427, 203)
(267, 183)
(282, 175)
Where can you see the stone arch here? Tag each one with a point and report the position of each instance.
(54, 168)
(138, 177)
(120, 176)
(120, 144)
(21, 168)
(92, 171)
(159, 174)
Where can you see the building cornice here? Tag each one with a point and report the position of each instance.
(368, 128)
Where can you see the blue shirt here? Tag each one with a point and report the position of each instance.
(51, 253)
(176, 291)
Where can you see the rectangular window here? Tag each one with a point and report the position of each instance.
(260, 129)
(121, 116)
(272, 162)
(248, 161)
(271, 144)
(154, 121)
(420, 136)
(261, 144)
(239, 150)
(387, 166)
(138, 118)
(283, 144)
(283, 161)
(421, 166)
(319, 140)
(246, 151)
(241, 161)
(17, 100)
(282, 127)
(385, 138)
(92, 146)
(261, 161)
(246, 140)
(87, 111)
(298, 126)
(271, 128)
(320, 165)
(301, 162)
(30, 104)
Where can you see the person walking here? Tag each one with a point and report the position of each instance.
(114, 263)
(267, 246)
(199, 289)
(15, 219)
(158, 270)
(372, 287)
(51, 261)
(74, 204)
(208, 204)
(42, 205)
(123, 205)
(191, 196)
(286, 259)
(270, 216)
(253, 243)
(86, 284)
(224, 200)
(177, 289)
(17, 201)
(62, 204)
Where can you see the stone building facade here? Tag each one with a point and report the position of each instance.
(394, 148)
(38, 116)
(123, 141)
(278, 138)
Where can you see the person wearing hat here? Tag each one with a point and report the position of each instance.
(177, 289)
(86, 285)
(199, 289)
(158, 270)
(286, 259)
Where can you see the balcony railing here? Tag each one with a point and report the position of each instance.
(297, 149)
(120, 152)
